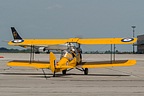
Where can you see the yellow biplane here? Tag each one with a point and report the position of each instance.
(71, 53)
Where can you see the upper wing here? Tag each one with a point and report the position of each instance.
(108, 41)
(43, 42)
(40, 42)
(19, 41)
(101, 64)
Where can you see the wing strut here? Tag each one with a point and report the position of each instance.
(112, 53)
(32, 54)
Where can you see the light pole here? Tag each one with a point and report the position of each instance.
(133, 27)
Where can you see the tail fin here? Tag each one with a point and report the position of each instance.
(15, 34)
(52, 61)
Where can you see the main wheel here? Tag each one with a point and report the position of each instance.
(64, 72)
(86, 71)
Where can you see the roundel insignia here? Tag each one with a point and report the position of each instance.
(127, 39)
(17, 41)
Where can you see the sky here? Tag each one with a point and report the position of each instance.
(71, 18)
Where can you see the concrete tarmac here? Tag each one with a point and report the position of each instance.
(116, 81)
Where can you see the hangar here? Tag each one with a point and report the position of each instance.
(140, 44)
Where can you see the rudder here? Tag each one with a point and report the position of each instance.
(15, 34)
(52, 61)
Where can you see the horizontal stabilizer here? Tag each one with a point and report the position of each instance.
(103, 64)
(35, 64)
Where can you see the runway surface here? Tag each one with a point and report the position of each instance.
(116, 81)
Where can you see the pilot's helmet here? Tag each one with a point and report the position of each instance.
(73, 49)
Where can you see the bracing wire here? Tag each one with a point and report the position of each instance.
(101, 48)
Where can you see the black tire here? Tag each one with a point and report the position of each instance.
(86, 71)
(54, 74)
(37, 52)
(64, 72)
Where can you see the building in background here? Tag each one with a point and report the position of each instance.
(140, 44)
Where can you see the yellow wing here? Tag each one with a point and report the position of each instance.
(42, 42)
(35, 64)
(101, 64)
(108, 41)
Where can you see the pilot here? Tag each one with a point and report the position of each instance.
(73, 52)
(67, 55)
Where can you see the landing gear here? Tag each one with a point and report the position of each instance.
(54, 74)
(86, 71)
(37, 52)
(64, 72)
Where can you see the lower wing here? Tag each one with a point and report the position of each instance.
(102, 64)
(99, 64)
(34, 64)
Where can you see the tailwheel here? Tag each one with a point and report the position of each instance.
(54, 74)
(86, 71)
(64, 72)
